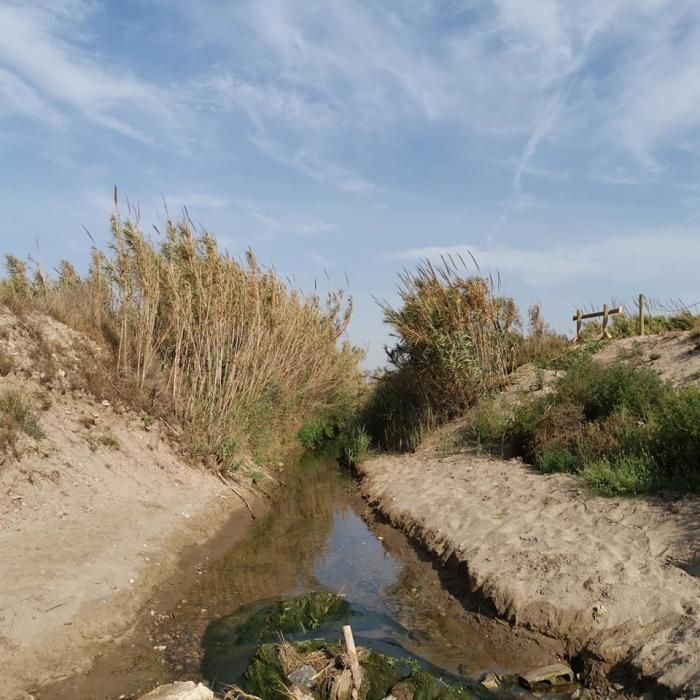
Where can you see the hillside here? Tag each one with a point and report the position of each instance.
(96, 505)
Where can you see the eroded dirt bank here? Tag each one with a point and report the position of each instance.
(96, 510)
(606, 576)
(85, 541)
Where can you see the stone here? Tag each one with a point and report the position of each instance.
(180, 690)
(303, 676)
(490, 681)
(547, 677)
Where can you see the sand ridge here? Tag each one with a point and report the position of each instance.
(602, 574)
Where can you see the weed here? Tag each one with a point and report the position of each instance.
(557, 459)
(256, 477)
(354, 446)
(486, 429)
(102, 440)
(326, 426)
(622, 475)
(18, 411)
(8, 434)
(108, 440)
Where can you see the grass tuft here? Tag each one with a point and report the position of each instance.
(16, 415)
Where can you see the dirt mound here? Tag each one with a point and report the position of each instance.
(95, 505)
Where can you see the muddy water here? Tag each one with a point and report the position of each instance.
(318, 535)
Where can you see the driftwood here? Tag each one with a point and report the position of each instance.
(355, 668)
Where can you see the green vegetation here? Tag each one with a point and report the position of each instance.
(226, 348)
(267, 676)
(455, 341)
(620, 426)
(16, 416)
(355, 445)
(17, 413)
(327, 426)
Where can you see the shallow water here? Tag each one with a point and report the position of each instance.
(318, 535)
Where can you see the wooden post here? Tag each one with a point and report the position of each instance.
(642, 302)
(579, 324)
(354, 661)
(606, 311)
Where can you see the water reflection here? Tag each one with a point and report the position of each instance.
(315, 538)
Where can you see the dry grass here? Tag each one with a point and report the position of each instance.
(454, 331)
(225, 346)
(16, 416)
(455, 342)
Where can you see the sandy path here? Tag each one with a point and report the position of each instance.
(598, 573)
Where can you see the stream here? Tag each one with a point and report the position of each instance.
(318, 535)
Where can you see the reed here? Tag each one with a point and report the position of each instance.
(234, 350)
(455, 341)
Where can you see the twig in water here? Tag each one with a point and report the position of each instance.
(239, 494)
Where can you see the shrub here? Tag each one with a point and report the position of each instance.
(625, 474)
(603, 390)
(486, 429)
(621, 426)
(557, 459)
(675, 437)
(326, 426)
(398, 413)
(455, 342)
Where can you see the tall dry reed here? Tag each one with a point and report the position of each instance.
(239, 355)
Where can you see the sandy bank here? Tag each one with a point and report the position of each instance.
(94, 516)
(86, 539)
(604, 575)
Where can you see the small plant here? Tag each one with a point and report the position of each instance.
(226, 451)
(8, 434)
(354, 446)
(256, 477)
(109, 441)
(557, 459)
(17, 410)
(102, 440)
(622, 475)
(486, 429)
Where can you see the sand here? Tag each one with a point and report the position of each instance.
(604, 575)
(88, 529)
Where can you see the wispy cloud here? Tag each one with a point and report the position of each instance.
(311, 165)
(648, 257)
(48, 75)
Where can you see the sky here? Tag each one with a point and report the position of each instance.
(343, 140)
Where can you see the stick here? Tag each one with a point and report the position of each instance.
(238, 493)
(354, 661)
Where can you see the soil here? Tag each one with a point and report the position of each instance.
(607, 576)
(93, 517)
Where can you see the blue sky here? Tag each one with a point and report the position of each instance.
(559, 142)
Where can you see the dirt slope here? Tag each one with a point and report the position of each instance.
(611, 576)
(92, 516)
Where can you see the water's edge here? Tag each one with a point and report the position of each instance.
(316, 533)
